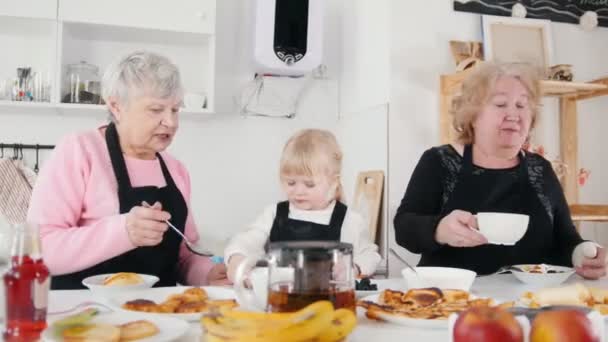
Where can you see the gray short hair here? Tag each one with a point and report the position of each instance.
(141, 71)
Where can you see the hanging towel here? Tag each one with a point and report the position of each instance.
(26, 172)
(15, 192)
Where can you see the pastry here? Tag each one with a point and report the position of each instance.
(123, 278)
(137, 330)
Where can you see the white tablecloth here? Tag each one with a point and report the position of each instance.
(500, 287)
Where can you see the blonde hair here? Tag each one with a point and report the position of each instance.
(312, 153)
(477, 89)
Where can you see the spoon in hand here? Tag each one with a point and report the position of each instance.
(191, 247)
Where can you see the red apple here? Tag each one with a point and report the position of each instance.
(562, 326)
(487, 324)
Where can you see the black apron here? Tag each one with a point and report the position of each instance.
(160, 260)
(287, 229)
(536, 246)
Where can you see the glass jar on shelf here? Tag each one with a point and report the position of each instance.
(82, 84)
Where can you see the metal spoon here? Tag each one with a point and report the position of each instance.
(191, 247)
(404, 261)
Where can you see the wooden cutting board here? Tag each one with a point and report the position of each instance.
(368, 198)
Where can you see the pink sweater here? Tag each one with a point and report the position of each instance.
(75, 202)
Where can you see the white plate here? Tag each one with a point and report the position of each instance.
(397, 284)
(543, 279)
(160, 294)
(412, 322)
(169, 328)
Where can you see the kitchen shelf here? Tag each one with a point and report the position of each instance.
(70, 31)
(79, 109)
(589, 212)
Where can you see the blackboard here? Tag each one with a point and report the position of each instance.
(568, 11)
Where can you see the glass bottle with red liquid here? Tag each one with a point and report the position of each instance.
(27, 287)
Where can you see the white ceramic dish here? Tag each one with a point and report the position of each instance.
(95, 284)
(160, 294)
(542, 279)
(440, 277)
(169, 328)
(502, 228)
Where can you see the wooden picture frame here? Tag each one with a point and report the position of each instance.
(507, 39)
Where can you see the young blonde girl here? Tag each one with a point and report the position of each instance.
(309, 172)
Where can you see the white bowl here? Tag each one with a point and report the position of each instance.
(502, 228)
(95, 284)
(543, 279)
(440, 277)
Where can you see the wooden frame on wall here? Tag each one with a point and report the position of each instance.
(509, 39)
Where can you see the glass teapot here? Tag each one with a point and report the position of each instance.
(297, 273)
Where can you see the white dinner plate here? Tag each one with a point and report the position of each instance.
(160, 294)
(407, 321)
(169, 328)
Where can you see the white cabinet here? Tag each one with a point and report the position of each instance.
(183, 15)
(29, 9)
(100, 32)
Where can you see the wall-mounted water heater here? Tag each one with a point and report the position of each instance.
(288, 36)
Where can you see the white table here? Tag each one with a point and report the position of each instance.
(501, 287)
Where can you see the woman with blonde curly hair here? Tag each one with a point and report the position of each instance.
(487, 170)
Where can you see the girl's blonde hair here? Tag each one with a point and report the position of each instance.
(313, 153)
(477, 89)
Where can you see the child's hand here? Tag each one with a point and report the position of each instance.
(340, 274)
(217, 275)
(358, 274)
(233, 263)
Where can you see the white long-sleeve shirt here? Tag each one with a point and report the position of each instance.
(354, 230)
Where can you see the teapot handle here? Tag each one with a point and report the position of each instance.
(245, 296)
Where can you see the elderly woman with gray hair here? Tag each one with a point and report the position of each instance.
(104, 195)
(488, 170)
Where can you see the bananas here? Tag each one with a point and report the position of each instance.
(341, 325)
(317, 322)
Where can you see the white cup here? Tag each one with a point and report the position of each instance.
(259, 283)
(502, 228)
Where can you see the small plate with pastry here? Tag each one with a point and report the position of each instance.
(91, 326)
(118, 282)
(541, 274)
(186, 303)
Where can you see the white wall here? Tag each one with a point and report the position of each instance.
(233, 161)
(364, 97)
(420, 53)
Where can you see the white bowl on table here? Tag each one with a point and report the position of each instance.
(502, 228)
(543, 279)
(440, 277)
(96, 284)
